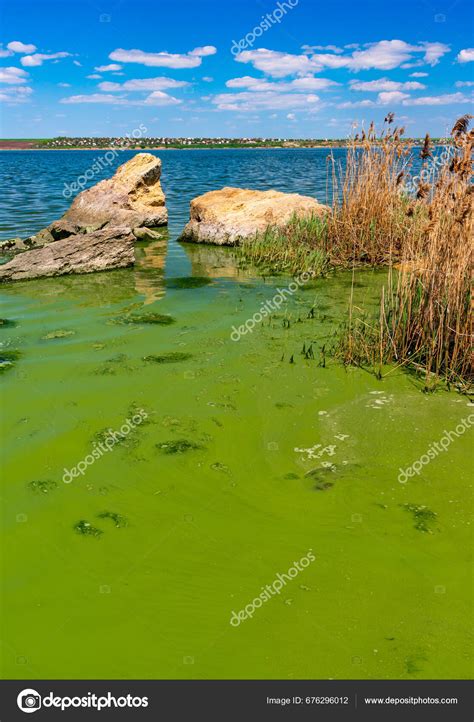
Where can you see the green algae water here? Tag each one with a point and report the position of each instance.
(240, 457)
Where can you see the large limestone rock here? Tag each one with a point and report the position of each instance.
(98, 230)
(132, 197)
(97, 251)
(226, 216)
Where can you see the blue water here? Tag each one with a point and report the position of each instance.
(33, 181)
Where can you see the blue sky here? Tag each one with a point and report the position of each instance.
(294, 68)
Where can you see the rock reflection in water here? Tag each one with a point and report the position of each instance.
(149, 269)
(216, 262)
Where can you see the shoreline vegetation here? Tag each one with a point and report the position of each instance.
(420, 231)
(144, 144)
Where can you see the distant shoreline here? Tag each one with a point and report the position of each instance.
(139, 150)
(26, 145)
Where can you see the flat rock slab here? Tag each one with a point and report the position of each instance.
(82, 253)
(224, 217)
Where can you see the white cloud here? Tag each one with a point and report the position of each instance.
(208, 79)
(393, 97)
(331, 48)
(418, 75)
(202, 52)
(93, 98)
(13, 76)
(17, 47)
(310, 83)
(76, 62)
(276, 63)
(94, 76)
(382, 55)
(387, 54)
(160, 98)
(434, 52)
(464, 83)
(398, 98)
(32, 61)
(155, 98)
(465, 56)
(64, 85)
(264, 100)
(163, 59)
(247, 82)
(15, 95)
(144, 84)
(385, 84)
(356, 104)
(261, 93)
(304, 84)
(291, 116)
(5, 53)
(447, 99)
(108, 68)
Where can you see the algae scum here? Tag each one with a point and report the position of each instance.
(248, 454)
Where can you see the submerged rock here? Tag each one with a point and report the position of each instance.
(423, 517)
(98, 231)
(86, 529)
(320, 476)
(97, 251)
(178, 446)
(57, 334)
(223, 468)
(147, 234)
(42, 487)
(12, 245)
(159, 319)
(8, 357)
(226, 216)
(118, 519)
(167, 358)
(323, 485)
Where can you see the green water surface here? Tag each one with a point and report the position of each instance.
(244, 462)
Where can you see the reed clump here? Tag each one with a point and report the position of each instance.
(425, 319)
(369, 221)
